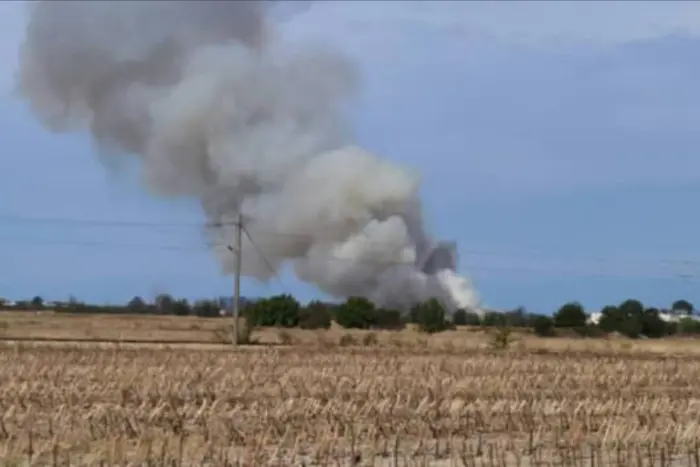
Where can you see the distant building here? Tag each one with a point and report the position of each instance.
(669, 316)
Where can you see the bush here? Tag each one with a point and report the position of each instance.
(501, 338)
(137, 305)
(347, 340)
(465, 318)
(370, 339)
(517, 318)
(224, 334)
(543, 326)
(356, 313)
(388, 319)
(430, 316)
(285, 338)
(652, 325)
(493, 318)
(609, 317)
(316, 315)
(181, 308)
(688, 326)
(627, 319)
(570, 315)
(37, 303)
(205, 309)
(280, 310)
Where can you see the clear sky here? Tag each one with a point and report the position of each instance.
(558, 144)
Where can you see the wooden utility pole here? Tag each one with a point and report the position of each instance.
(237, 250)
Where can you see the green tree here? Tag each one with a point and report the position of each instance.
(280, 310)
(136, 305)
(609, 317)
(627, 319)
(570, 315)
(205, 308)
(385, 318)
(356, 313)
(430, 316)
(164, 304)
(465, 318)
(3, 303)
(634, 312)
(37, 303)
(517, 318)
(494, 319)
(688, 325)
(652, 324)
(315, 315)
(683, 306)
(543, 326)
(181, 308)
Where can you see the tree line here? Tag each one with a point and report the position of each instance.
(630, 318)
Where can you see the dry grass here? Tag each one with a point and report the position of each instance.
(390, 399)
(213, 332)
(83, 406)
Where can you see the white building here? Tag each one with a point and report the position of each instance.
(668, 316)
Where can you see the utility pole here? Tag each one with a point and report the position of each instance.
(237, 250)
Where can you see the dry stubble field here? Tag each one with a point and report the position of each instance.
(400, 400)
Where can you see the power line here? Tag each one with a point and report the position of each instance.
(268, 233)
(470, 268)
(106, 245)
(680, 265)
(107, 223)
(474, 255)
(262, 255)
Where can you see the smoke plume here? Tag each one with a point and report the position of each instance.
(217, 107)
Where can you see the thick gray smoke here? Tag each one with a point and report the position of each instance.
(217, 107)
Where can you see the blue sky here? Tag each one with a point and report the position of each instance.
(558, 144)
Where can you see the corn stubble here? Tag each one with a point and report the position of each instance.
(345, 406)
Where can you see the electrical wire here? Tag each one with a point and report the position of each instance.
(108, 223)
(472, 267)
(13, 218)
(687, 269)
(264, 258)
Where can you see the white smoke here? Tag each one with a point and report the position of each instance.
(216, 108)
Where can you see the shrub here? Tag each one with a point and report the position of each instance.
(465, 318)
(501, 338)
(224, 334)
(493, 318)
(543, 326)
(356, 313)
(688, 326)
(203, 308)
(370, 339)
(316, 315)
(570, 315)
(517, 318)
(430, 316)
(387, 319)
(284, 337)
(280, 310)
(652, 325)
(627, 319)
(181, 308)
(347, 340)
